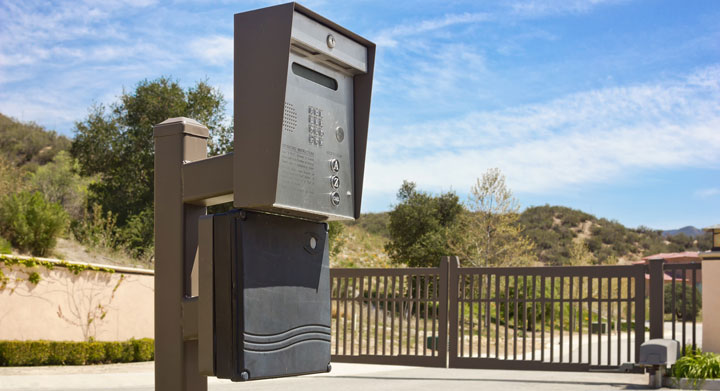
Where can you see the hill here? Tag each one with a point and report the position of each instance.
(555, 230)
(364, 242)
(28, 145)
(689, 231)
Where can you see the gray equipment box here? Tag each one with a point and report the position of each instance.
(302, 87)
(660, 352)
(270, 283)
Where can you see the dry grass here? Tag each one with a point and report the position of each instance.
(361, 250)
(72, 250)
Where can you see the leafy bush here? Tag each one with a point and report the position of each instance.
(688, 290)
(67, 353)
(120, 352)
(139, 233)
(95, 352)
(697, 366)
(31, 223)
(24, 353)
(33, 353)
(144, 349)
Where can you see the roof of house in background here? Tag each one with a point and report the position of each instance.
(687, 256)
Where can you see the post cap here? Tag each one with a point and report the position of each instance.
(712, 228)
(180, 125)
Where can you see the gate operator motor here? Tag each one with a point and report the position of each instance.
(302, 100)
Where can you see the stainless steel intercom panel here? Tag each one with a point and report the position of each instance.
(302, 103)
(316, 157)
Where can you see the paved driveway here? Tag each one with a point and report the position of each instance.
(344, 377)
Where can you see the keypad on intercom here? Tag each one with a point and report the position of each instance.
(315, 126)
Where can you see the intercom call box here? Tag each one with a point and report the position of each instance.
(301, 105)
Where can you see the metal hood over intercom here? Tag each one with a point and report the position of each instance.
(302, 101)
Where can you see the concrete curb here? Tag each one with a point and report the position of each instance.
(689, 384)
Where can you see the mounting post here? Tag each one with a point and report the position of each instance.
(177, 141)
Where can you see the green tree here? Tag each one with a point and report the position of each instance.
(422, 226)
(116, 143)
(492, 235)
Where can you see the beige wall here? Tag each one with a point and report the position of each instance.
(711, 306)
(63, 306)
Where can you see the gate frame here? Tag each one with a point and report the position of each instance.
(609, 272)
(450, 271)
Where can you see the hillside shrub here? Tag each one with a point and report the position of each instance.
(5, 247)
(31, 223)
(34, 353)
(96, 228)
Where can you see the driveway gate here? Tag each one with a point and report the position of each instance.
(576, 318)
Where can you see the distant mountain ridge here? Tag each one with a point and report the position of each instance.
(555, 231)
(688, 231)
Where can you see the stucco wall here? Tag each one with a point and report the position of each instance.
(711, 306)
(64, 306)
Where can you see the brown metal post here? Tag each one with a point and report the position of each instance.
(449, 314)
(656, 298)
(177, 140)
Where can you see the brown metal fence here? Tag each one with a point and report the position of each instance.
(390, 316)
(577, 318)
(546, 318)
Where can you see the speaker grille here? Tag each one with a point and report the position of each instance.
(289, 118)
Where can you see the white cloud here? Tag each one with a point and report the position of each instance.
(389, 37)
(216, 50)
(539, 8)
(708, 193)
(590, 137)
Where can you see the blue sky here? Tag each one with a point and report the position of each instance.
(612, 107)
